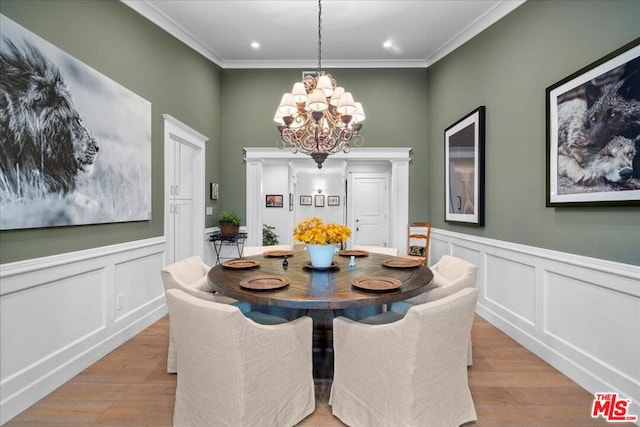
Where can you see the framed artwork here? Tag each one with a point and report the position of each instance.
(290, 201)
(333, 200)
(79, 155)
(274, 201)
(305, 200)
(213, 191)
(464, 169)
(593, 136)
(319, 200)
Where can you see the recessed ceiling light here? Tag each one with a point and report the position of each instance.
(387, 44)
(255, 45)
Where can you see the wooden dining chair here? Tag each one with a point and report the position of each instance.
(418, 239)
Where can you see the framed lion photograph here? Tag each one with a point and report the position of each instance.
(82, 155)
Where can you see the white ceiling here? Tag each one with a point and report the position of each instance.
(353, 32)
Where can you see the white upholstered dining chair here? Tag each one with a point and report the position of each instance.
(258, 250)
(450, 275)
(377, 249)
(236, 372)
(409, 372)
(190, 276)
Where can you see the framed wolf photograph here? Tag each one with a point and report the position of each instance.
(593, 133)
(464, 169)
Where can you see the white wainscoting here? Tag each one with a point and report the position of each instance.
(60, 314)
(581, 315)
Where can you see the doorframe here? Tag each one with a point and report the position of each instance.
(398, 157)
(174, 129)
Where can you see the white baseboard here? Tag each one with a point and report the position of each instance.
(60, 314)
(581, 315)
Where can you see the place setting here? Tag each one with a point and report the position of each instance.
(401, 263)
(241, 263)
(376, 283)
(265, 282)
(278, 253)
(353, 252)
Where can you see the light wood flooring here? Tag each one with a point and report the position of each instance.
(130, 387)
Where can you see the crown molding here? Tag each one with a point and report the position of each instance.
(146, 9)
(167, 24)
(499, 11)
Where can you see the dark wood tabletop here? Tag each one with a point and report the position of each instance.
(320, 289)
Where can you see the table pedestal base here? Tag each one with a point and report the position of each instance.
(322, 344)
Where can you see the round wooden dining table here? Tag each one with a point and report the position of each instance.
(321, 289)
(320, 292)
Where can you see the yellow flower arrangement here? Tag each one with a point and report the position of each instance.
(313, 231)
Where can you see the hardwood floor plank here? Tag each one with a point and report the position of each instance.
(511, 387)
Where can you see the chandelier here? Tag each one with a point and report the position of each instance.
(318, 117)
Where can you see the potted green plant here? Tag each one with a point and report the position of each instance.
(229, 223)
(269, 237)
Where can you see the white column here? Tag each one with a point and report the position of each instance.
(399, 212)
(253, 215)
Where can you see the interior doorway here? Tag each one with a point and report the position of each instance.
(184, 166)
(395, 161)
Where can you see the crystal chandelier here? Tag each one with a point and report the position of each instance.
(318, 117)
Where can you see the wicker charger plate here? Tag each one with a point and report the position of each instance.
(376, 283)
(277, 253)
(240, 263)
(353, 252)
(401, 263)
(264, 283)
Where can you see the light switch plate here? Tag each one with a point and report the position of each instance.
(209, 210)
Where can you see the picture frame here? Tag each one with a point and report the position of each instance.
(333, 200)
(274, 201)
(589, 156)
(305, 200)
(464, 148)
(290, 202)
(318, 200)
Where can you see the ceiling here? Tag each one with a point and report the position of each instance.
(353, 32)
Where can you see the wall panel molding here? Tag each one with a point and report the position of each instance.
(60, 314)
(581, 315)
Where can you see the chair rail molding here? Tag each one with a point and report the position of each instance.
(579, 314)
(86, 304)
(397, 157)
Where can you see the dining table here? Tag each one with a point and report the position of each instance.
(282, 278)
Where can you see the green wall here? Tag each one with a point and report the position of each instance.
(119, 43)
(507, 68)
(395, 104)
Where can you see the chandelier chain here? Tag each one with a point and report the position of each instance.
(319, 36)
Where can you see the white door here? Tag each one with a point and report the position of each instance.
(184, 186)
(368, 198)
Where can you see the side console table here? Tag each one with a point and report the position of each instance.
(218, 240)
